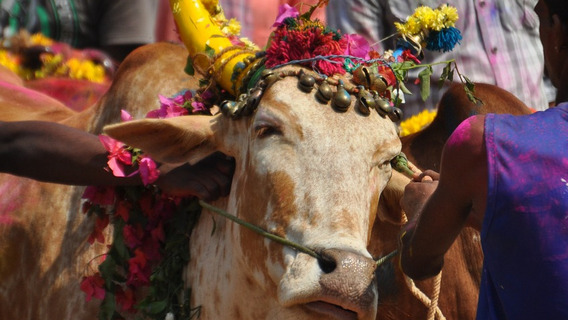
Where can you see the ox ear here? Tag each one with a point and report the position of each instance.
(172, 140)
(389, 203)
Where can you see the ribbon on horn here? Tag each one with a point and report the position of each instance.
(199, 31)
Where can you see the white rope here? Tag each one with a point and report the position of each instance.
(432, 304)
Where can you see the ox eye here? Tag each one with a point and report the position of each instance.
(265, 130)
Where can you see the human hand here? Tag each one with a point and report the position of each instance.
(208, 179)
(418, 191)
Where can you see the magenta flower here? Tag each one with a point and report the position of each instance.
(103, 196)
(148, 170)
(170, 107)
(125, 116)
(357, 46)
(198, 106)
(93, 286)
(118, 155)
(138, 270)
(285, 11)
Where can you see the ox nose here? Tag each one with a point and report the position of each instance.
(350, 278)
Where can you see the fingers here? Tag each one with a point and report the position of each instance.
(426, 176)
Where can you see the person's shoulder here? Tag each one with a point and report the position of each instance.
(468, 136)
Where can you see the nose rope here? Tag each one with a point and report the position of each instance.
(280, 239)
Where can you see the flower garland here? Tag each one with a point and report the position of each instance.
(150, 244)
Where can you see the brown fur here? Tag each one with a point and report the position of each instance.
(43, 248)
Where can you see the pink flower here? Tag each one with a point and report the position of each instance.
(125, 299)
(138, 269)
(285, 11)
(132, 235)
(170, 107)
(123, 210)
(125, 116)
(357, 46)
(93, 286)
(97, 235)
(148, 170)
(198, 106)
(103, 196)
(118, 155)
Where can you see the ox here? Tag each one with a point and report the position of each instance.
(304, 172)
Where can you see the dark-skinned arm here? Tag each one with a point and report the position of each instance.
(440, 209)
(51, 152)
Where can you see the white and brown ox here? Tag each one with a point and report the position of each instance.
(303, 172)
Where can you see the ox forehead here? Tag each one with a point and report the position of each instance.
(303, 171)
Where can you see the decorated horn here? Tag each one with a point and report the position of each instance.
(200, 33)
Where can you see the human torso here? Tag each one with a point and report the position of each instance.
(525, 229)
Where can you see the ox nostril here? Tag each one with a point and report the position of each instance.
(326, 263)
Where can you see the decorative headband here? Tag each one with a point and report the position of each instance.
(241, 69)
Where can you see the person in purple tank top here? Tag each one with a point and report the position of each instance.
(506, 176)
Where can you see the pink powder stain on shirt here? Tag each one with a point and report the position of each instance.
(462, 133)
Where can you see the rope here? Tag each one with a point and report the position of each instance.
(432, 304)
(401, 164)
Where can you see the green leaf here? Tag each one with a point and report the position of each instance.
(424, 77)
(404, 88)
(445, 74)
(107, 309)
(157, 307)
(189, 66)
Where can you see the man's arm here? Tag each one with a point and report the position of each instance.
(440, 215)
(51, 152)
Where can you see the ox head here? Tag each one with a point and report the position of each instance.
(304, 172)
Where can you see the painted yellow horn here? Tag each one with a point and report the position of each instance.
(197, 30)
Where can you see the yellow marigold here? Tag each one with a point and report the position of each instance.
(39, 39)
(450, 14)
(8, 61)
(417, 122)
(249, 44)
(85, 70)
(232, 27)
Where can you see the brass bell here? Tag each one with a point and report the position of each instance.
(395, 115)
(229, 108)
(341, 99)
(307, 82)
(252, 101)
(268, 77)
(366, 101)
(324, 93)
(383, 106)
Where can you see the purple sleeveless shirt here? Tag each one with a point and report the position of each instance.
(525, 230)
